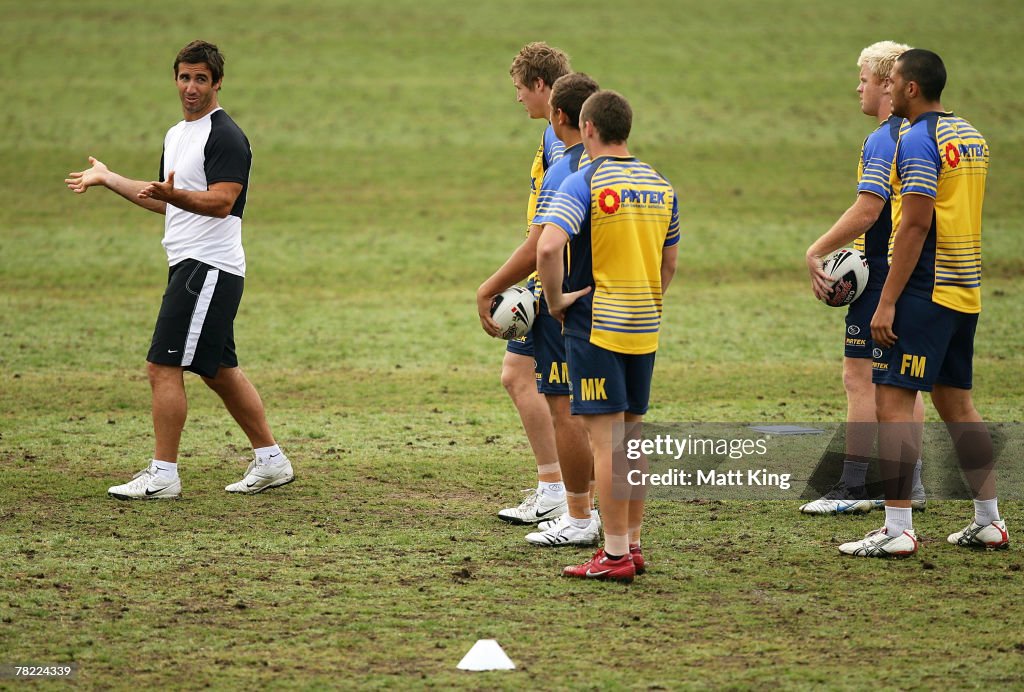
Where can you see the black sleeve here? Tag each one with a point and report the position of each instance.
(227, 156)
(160, 173)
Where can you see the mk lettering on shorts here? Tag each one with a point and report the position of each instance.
(592, 389)
(915, 364)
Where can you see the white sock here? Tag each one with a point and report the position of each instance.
(579, 523)
(986, 511)
(271, 454)
(552, 489)
(167, 470)
(898, 520)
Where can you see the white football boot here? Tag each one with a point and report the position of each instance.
(841, 500)
(262, 476)
(879, 544)
(146, 485)
(535, 508)
(990, 537)
(548, 523)
(564, 533)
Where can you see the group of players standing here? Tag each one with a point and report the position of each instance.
(600, 251)
(602, 236)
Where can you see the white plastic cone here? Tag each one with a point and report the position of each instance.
(486, 654)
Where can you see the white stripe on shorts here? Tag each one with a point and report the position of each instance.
(195, 327)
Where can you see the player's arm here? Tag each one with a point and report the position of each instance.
(916, 222)
(216, 201)
(550, 249)
(519, 265)
(669, 256)
(854, 222)
(99, 175)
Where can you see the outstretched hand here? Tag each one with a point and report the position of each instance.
(161, 192)
(80, 181)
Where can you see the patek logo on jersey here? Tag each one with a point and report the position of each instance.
(913, 364)
(853, 330)
(608, 200)
(952, 155)
(592, 389)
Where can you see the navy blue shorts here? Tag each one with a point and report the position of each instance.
(935, 345)
(549, 354)
(604, 381)
(858, 324)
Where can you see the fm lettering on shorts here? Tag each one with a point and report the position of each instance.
(592, 389)
(913, 364)
(559, 373)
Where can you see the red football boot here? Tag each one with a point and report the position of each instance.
(638, 558)
(600, 567)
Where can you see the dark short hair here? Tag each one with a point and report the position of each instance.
(569, 92)
(611, 115)
(199, 52)
(925, 68)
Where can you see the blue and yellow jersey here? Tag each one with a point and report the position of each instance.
(550, 150)
(573, 159)
(874, 170)
(619, 214)
(943, 157)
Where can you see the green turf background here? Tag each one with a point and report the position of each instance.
(390, 177)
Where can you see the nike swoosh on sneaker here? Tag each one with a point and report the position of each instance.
(547, 512)
(597, 574)
(154, 492)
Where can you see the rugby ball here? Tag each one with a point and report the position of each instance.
(849, 272)
(513, 309)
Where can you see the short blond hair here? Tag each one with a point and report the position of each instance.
(539, 61)
(880, 57)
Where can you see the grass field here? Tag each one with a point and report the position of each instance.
(390, 164)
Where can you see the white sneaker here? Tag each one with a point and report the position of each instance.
(879, 544)
(262, 476)
(548, 523)
(146, 485)
(564, 533)
(841, 499)
(990, 537)
(536, 507)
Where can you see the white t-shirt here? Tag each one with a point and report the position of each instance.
(210, 150)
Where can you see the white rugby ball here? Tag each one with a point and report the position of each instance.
(849, 272)
(513, 309)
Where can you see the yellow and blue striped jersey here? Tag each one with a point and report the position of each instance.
(874, 170)
(944, 157)
(550, 150)
(573, 159)
(619, 214)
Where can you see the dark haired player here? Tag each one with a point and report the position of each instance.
(928, 312)
(201, 193)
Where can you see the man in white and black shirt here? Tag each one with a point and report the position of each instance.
(204, 177)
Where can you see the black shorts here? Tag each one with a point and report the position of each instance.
(195, 328)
